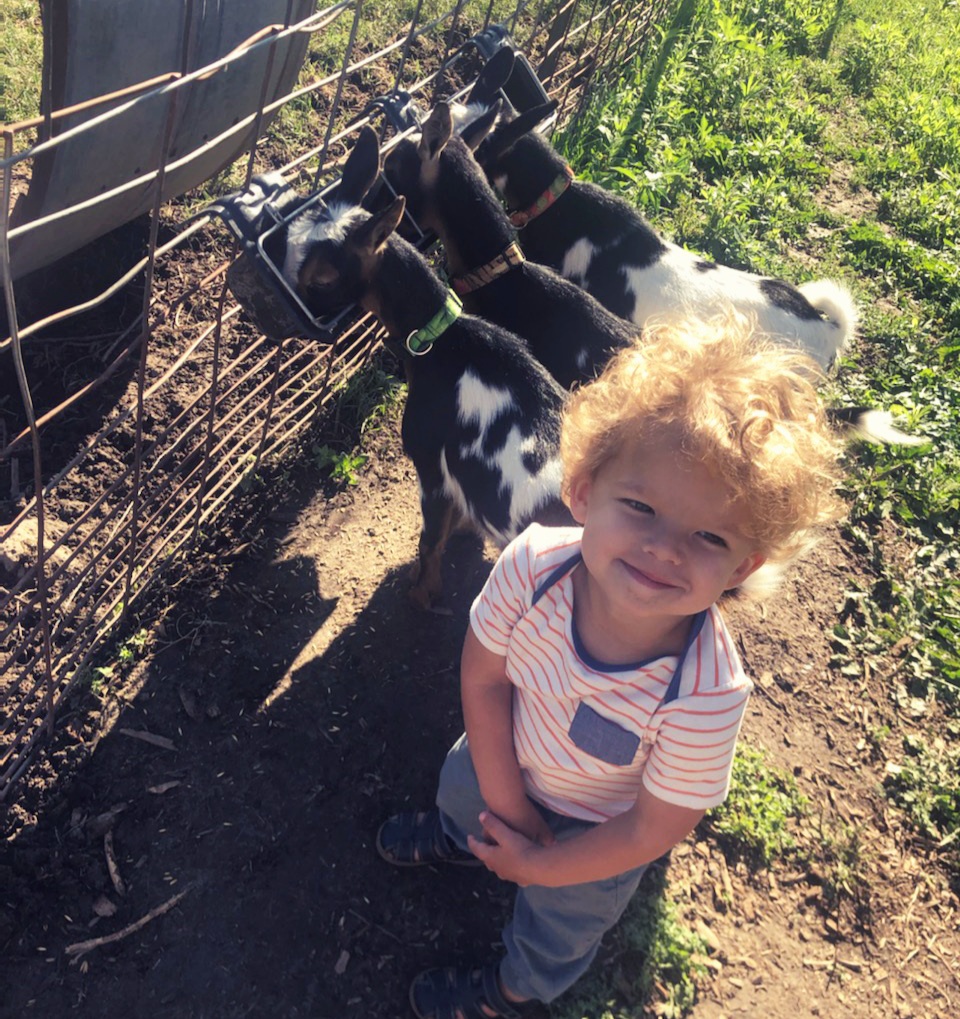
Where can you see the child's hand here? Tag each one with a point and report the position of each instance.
(508, 853)
(524, 818)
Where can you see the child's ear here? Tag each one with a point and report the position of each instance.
(751, 564)
(579, 497)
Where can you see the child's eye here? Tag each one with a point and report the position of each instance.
(712, 539)
(635, 504)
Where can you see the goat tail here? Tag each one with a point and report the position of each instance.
(836, 305)
(872, 425)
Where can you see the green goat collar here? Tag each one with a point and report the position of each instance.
(422, 339)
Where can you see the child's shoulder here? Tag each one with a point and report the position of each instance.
(564, 541)
(536, 553)
(712, 662)
(547, 547)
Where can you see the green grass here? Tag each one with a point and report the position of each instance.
(927, 786)
(367, 400)
(21, 60)
(758, 817)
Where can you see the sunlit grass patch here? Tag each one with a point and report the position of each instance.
(927, 786)
(758, 817)
(21, 60)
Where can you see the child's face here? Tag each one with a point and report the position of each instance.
(660, 533)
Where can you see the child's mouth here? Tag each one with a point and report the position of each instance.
(647, 579)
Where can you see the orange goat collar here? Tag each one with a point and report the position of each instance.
(564, 179)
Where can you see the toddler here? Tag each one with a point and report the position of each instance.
(602, 692)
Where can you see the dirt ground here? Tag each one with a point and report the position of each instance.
(235, 784)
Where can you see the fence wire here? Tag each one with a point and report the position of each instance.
(131, 440)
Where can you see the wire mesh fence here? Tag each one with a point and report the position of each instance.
(139, 398)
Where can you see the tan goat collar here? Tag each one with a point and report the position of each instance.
(521, 217)
(510, 257)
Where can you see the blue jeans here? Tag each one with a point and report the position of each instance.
(555, 932)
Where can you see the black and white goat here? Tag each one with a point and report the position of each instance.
(602, 243)
(568, 330)
(605, 245)
(482, 417)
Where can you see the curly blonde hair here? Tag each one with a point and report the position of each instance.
(744, 407)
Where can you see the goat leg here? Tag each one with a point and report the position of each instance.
(440, 517)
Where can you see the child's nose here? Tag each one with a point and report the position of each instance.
(662, 544)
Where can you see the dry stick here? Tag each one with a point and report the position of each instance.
(112, 867)
(149, 737)
(80, 948)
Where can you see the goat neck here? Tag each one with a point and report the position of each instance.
(469, 218)
(526, 171)
(405, 293)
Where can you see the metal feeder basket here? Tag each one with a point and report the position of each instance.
(259, 217)
(523, 89)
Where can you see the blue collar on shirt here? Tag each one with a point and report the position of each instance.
(567, 566)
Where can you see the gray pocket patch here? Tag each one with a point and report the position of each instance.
(603, 739)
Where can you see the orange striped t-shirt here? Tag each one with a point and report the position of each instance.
(586, 734)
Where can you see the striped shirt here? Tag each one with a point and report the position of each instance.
(586, 733)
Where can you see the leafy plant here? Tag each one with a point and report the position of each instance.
(342, 464)
(927, 786)
(757, 814)
(836, 855)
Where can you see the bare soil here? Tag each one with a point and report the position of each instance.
(291, 698)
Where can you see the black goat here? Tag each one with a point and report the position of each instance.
(604, 244)
(482, 417)
(568, 330)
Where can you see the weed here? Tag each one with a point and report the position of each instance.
(102, 675)
(364, 403)
(341, 464)
(368, 398)
(927, 786)
(837, 857)
(123, 655)
(756, 817)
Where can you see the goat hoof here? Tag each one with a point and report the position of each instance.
(428, 602)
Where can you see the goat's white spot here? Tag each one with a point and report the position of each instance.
(480, 403)
(524, 492)
(576, 262)
(674, 287)
(315, 226)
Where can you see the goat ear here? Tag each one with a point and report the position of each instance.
(362, 167)
(494, 75)
(475, 132)
(511, 132)
(437, 131)
(373, 235)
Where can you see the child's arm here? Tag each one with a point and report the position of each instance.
(640, 835)
(487, 696)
